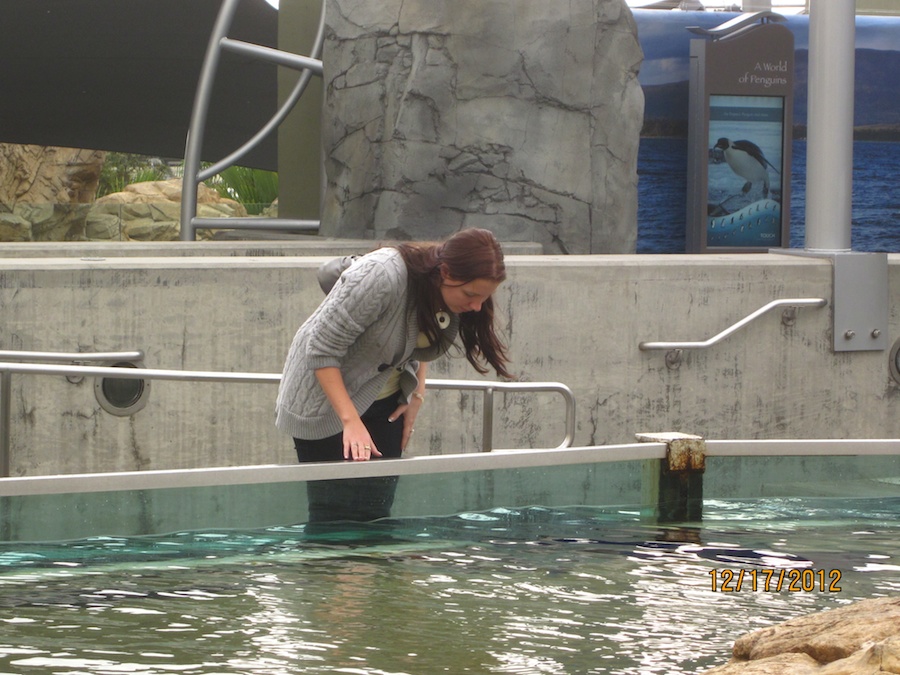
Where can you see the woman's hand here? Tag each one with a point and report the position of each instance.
(358, 444)
(409, 411)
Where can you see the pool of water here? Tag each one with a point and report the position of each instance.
(533, 590)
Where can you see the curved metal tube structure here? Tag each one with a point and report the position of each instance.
(193, 176)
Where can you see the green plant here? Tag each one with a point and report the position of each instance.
(256, 189)
(121, 169)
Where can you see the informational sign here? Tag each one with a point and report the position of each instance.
(739, 155)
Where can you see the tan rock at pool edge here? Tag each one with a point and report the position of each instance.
(858, 639)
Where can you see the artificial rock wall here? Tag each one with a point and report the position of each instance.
(521, 116)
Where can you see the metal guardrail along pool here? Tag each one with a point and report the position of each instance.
(7, 369)
(245, 475)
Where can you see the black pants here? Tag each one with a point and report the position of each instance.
(354, 499)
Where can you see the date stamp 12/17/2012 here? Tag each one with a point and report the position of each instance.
(769, 580)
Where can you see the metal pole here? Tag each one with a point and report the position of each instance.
(5, 408)
(282, 112)
(194, 142)
(6, 386)
(487, 434)
(829, 142)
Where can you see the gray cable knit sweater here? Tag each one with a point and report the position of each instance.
(365, 326)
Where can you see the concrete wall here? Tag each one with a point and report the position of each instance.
(573, 319)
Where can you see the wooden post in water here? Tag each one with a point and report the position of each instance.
(673, 487)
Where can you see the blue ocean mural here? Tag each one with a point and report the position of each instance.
(662, 160)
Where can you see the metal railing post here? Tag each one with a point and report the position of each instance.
(5, 416)
(487, 434)
(488, 388)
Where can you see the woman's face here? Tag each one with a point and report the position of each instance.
(462, 296)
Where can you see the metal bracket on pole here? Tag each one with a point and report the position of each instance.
(860, 302)
(860, 298)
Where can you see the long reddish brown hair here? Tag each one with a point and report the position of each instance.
(466, 256)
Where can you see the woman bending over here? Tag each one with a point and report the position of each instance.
(354, 377)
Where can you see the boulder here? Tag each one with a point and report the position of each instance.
(45, 191)
(14, 228)
(37, 174)
(55, 222)
(858, 639)
(151, 211)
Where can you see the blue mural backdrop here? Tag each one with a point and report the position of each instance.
(662, 159)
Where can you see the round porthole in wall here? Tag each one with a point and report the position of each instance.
(122, 396)
(894, 361)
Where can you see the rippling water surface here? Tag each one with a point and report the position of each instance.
(507, 591)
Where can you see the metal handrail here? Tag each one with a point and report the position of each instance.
(139, 373)
(74, 357)
(736, 24)
(193, 175)
(53, 357)
(790, 302)
(9, 368)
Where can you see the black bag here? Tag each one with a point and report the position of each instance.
(331, 271)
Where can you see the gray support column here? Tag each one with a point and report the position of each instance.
(300, 135)
(829, 147)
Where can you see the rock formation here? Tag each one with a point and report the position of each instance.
(47, 194)
(859, 639)
(44, 191)
(522, 116)
(151, 211)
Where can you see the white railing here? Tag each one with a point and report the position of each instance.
(432, 464)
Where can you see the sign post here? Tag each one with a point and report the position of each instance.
(739, 136)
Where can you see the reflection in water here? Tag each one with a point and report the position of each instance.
(507, 591)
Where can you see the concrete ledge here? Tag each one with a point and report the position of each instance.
(296, 246)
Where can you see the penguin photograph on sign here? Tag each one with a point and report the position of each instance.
(744, 175)
(747, 161)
